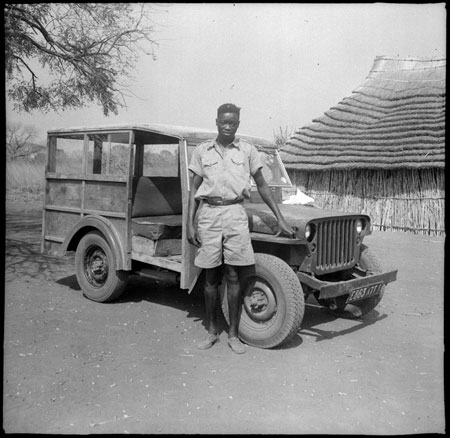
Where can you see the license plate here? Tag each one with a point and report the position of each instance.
(364, 292)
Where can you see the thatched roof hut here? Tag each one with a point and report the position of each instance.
(382, 149)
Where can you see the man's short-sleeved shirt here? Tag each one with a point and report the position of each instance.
(225, 174)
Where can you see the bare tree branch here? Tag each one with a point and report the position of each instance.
(18, 138)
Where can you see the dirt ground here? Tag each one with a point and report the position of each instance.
(72, 366)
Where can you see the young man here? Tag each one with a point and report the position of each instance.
(221, 180)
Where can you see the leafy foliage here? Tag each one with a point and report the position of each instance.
(84, 51)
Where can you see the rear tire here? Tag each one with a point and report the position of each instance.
(273, 303)
(95, 265)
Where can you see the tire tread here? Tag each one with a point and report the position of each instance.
(295, 302)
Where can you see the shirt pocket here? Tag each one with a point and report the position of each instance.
(238, 164)
(210, 166)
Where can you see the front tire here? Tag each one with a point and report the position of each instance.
(370, 263)
(95, 265)
(273, 303)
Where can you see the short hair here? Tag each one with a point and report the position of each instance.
(228, 108)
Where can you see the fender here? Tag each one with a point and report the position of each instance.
(94, 222)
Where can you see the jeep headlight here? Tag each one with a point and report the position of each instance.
(308, 231)
(359, 226)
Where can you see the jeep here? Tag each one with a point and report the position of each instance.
(117, 196)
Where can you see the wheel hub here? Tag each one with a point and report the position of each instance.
(96, 267)
(259, 302)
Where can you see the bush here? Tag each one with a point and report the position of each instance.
(25, 176)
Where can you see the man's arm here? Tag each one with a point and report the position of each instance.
(266, 195)
(192, 234)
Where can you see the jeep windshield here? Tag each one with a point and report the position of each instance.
(273, 168)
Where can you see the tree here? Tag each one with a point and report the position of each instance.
(18, 138)
(282, 137)
(84, 52)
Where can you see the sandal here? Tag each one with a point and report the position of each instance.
(208, 342)
(236, 345)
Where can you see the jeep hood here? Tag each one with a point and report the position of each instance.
(262, 220)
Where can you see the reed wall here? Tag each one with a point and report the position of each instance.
(411, 200)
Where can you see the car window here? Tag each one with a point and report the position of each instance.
(108, 154)
(69, 154)
(161, 160)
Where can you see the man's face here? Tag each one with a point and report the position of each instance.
(227, 125)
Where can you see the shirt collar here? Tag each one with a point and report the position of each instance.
(235, 143)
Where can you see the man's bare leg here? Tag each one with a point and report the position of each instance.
(234, 308)
(210, 293)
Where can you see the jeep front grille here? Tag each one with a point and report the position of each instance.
(336, 244)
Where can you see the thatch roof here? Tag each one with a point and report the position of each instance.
(395, 119)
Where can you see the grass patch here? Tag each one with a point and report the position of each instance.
(25, 176)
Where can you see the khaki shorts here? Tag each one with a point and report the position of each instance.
(225, 237)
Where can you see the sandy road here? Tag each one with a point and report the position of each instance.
(75, 366)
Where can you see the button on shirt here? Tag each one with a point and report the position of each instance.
(225, 171)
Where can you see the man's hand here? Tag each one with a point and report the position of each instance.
(285, 228)
(266, 195)
(191, 232)
(193, 237)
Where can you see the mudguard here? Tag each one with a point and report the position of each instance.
(101, 224)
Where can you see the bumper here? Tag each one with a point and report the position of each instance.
(329, 289)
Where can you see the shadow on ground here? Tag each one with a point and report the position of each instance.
(316, 315)
(23, 258)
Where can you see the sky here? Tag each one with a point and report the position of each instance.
(284, 64)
